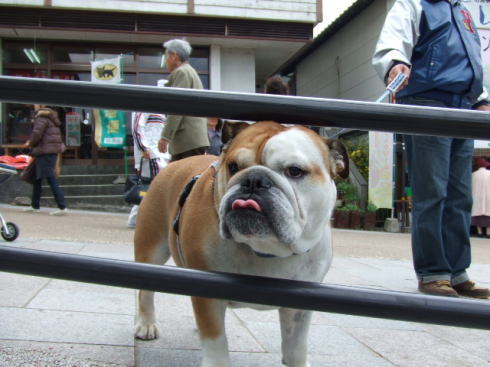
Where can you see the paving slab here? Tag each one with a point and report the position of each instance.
(416, 348)
(65, 327)
(64, 323)
(84, 301)
(32, 358)
(96, 354)
(17, 290)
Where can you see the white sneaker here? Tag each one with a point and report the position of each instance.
(31, 210)
(59, 212)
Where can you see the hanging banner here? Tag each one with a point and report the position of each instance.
(110, 128)
(73, 134)
(381, 169)
(480, 12)
(107, 71)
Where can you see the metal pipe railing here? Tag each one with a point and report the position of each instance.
(244, 106)
(252, 289)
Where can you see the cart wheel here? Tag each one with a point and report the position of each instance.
(13, 232)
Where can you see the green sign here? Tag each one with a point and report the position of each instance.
(110, 128)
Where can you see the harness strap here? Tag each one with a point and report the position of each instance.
(182, 199)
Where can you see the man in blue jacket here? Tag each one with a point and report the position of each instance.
(436, 45)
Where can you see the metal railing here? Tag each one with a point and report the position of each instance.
(247, 106)
(251, 289)
(277, 292)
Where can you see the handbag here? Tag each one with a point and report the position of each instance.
(28, 174)
(136, 187)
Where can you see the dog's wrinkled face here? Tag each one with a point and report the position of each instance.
(275, 188)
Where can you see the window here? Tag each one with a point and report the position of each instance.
(56, 60)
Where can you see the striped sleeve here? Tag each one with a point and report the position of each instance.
(138, 127)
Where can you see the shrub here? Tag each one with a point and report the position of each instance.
(352, 208)
(347, 191)
(371, 208)
(342, 209)
(358, 148)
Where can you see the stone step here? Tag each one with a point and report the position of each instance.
(111, 203)
(94, 179)
(86, 190)
(92, 169)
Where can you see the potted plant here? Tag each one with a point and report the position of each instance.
(354, 216)
(370, 216)
(341, 217)
(347, 192)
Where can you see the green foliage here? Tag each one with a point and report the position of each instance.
(341, 209)
(371, 208)
(347, 191)
(352, 208)
(358, 149)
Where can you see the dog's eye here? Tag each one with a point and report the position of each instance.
(294, 172)
(233, 168)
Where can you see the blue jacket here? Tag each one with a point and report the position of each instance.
(440, 41)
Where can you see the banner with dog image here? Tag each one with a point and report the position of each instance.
(110, 128)
(110, 125)
(107, 71)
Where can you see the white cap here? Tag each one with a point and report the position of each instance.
(162, 82)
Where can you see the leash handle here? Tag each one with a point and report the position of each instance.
(393, 86)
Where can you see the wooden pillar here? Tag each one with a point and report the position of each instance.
(190, 7)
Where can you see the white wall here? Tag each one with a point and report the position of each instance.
(215, 67)
(299, 10)
(285, 10)
(238, 70)
(331, 11)
(341, 67)
(22, 2)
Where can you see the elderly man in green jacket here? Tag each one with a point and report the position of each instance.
(182, 136)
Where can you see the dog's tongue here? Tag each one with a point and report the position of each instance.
(246, 204)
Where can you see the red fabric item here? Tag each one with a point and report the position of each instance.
(19, 161)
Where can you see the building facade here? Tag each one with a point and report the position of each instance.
(338, 64)
(237, 44)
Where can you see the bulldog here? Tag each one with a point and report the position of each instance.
(262, 208)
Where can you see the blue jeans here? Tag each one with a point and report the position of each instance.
(55, 188)
(440, 176)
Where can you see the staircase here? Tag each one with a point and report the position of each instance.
(89, 188)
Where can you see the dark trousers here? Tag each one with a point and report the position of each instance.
(189, 153)
(55, 188)
(440, 176)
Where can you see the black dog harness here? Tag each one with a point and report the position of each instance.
(182, 199)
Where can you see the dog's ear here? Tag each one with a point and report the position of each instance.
(231, 129)
(339, 158)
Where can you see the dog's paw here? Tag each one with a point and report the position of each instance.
(146, 331)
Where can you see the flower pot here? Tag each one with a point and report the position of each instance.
(354, 220)
(369, 220)
(341, 219)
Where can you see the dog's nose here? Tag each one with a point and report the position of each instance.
(256, 181)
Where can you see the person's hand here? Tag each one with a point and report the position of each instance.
(162, 145)
(399, 68)
(27, 144)
(146, 154)
(483, 107)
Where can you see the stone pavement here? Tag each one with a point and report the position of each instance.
(48, 322)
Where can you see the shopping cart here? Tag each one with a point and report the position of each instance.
(9, 230)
